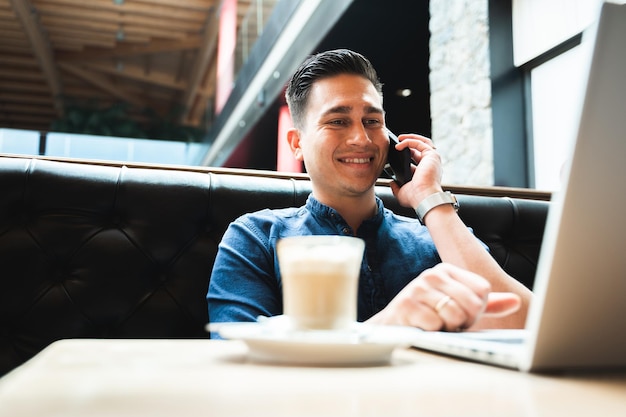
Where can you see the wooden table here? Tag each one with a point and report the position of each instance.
(215, 378)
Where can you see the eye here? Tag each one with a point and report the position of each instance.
(372, 122)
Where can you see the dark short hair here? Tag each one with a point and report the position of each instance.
(323, 65)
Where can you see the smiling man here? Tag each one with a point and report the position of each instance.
(431, 273)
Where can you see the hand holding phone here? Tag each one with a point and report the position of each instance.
(398, 165)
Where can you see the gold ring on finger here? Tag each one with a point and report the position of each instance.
(442, 303)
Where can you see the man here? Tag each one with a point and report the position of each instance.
(435, 276)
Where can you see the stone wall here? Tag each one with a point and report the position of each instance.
(461, 90)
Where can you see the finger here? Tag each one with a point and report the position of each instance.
(476, 283)
(415, 137)
(456, 303)
(453, 316)
(411, 311)
(416, 143)
(427, 319)
(500, 304)
(468, 290)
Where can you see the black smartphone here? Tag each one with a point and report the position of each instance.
(398, 165)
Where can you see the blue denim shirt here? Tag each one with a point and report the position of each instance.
(245, 281)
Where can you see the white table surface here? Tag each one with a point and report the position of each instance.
(216, 378)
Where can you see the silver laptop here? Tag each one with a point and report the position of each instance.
(577, 319)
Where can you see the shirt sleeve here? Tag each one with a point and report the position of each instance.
(243, 283)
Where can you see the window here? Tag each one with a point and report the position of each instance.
(19, 141)
(551, 56)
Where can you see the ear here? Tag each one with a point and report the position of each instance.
(293, 137)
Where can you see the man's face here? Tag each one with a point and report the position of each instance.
(343, 142)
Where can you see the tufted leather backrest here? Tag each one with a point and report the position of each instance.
(105, 251)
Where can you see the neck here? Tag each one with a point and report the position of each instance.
(353, 208)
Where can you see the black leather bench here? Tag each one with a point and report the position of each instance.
(101, 250)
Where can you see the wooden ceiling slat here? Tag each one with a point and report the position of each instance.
(200, 66)
(15, 50)
(21, 74)
(17, 44)
(160, 11)
(6, 14)
(138, 74)
(80, 43)
(101, 82)
(67, 47)
(29, 109)
(41, 48)
(203, 5)
(23, 87)
(10, 35)
(53, 23)
(199, 106)
(90, 38)
(24, 121)
(27, 121)
(80, 93)
(122, 50)
(18, 61)
(155, 33)
(80, 34)
(9, 21)
(21, 98)
(116, 17)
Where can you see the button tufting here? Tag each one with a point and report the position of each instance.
(59, 273)
(115, 220)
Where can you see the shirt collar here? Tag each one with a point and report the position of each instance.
(321, 210)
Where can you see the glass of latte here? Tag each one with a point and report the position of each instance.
(320, 277)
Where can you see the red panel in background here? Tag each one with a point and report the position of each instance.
(226, 53)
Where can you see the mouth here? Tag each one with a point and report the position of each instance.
(356, 160)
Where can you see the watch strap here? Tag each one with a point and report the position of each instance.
(435, 200)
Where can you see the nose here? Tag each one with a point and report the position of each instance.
(358, 135)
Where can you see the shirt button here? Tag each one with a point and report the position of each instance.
(346, 231)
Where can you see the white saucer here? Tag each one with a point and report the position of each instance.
(273, 340)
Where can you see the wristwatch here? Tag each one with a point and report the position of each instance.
(433, 201)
